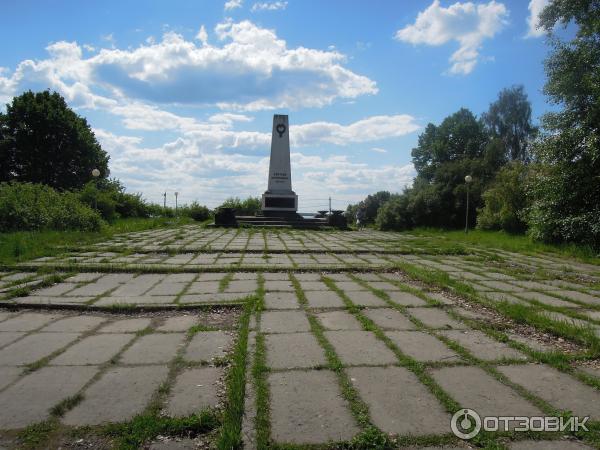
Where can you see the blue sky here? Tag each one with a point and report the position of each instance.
(181, 93)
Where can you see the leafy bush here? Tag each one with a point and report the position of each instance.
(505, 200)
(395, 214)
(247, 207)
(197, 212)
(28, 206)
(111, 200)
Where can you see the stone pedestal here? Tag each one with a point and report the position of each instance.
(279, 197)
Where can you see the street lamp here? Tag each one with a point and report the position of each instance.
(468, 180)
(176, 194)
(96, 174)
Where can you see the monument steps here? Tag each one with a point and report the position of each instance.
(282, 221)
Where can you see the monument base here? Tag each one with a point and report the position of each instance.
(279, 202)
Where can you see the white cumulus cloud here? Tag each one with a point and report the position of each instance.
(533, 21)
(233, 4)
(269, 6)
(252, 69)
(467, 23)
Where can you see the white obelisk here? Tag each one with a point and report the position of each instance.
(279, 195)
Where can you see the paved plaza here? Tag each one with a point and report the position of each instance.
(351, 337)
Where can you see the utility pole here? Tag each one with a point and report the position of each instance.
(329, 205)
(468, 180)
(176, 194)
(165, 201)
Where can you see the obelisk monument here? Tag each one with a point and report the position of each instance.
(279, 197)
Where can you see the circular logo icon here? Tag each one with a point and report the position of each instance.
(465, 424)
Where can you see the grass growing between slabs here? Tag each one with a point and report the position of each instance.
(519, 243)
(21, 246)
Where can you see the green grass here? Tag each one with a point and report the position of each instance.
(25, 245)
(230, 436)
(510, 242)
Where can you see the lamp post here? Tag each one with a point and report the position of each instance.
(468, 180)
(96, 174)
(176, 194)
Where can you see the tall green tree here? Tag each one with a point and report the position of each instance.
(43, 141)
(459, 136)
(509, 119)
(566, 193)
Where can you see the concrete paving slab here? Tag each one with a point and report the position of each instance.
(211, 276)
(406, 299)
(307, 408)
(164, 288)
(55, 290)
(203, 287)
(174, 278)
(117, 396)
(435, 318)
(350, 286)
(29, 400)
(547, 299)
(8, 375)
(440, 297)
(501, 286)
(83, 277)
(293, 350)
(194, 390)
(126, 325)
(323, 299)
(389, 319)
(212, 298)
(579, 296)
(365, 298)
(281, 300)
(96, 350)
(153, 349)
(244, 286)
(474, 388)
(76, 324)
(422, 346)
(481, 346)
(338, 320)
(102, 285)
(313, 286)
(284, 322)
(178, 323)
(28, 321)
(383, 286)
(308, 276)
(6, 337)
(279, 285)
(276, 276)
(207, 345)
(392, 391)
(506, 297)
(557, 388)
(360, 347)
(34, 347)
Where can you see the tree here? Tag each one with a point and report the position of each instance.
(459, 146)
(509, 119)
(43, 141)
(459, 136)
(506, 200)
(566, 193)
